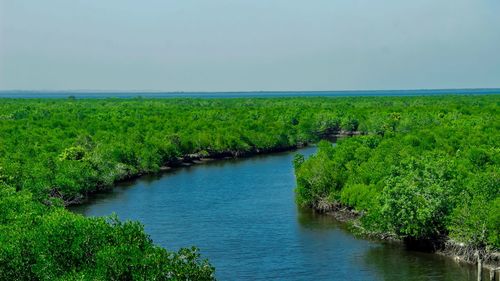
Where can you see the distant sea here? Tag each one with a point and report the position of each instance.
(262, 94)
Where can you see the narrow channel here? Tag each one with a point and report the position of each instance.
(242, 215)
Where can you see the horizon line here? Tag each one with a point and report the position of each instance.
(242, 91)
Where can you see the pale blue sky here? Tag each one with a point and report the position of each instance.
(237, 45)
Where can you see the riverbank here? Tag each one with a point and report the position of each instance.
(489, 262)
(341, 213)
(69, 149)
(253, 230)
(344, 214)
(185, 161)
(200, 158)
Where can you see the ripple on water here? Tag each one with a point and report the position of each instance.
(242, 215)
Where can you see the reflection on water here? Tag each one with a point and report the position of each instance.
(387, 260)
(242, 215)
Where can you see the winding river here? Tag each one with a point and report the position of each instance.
(242, 215)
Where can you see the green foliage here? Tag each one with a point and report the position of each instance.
(426, 170)
(415, 199)
(48, 243)
(79, 146)
(55, 151)
(360, 196)
(298, 159)
(427, 166)
(316, 187)
(477, 221)
(73, 153)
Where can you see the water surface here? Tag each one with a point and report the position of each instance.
(261, 94)
(242, 215)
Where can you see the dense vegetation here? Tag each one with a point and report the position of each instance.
(55, 152)
(38, 242)
(428, 166)
(69, 148)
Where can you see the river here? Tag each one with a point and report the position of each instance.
(242, 215)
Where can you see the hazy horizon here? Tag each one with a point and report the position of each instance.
(241, 46)
(245, 91)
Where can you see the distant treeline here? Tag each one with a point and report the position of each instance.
(57, 151)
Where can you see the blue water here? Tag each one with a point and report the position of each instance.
(242, 216)
(110, 94)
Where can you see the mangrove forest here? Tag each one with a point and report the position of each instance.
(423, 170)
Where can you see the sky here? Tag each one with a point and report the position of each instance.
(249, 45)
